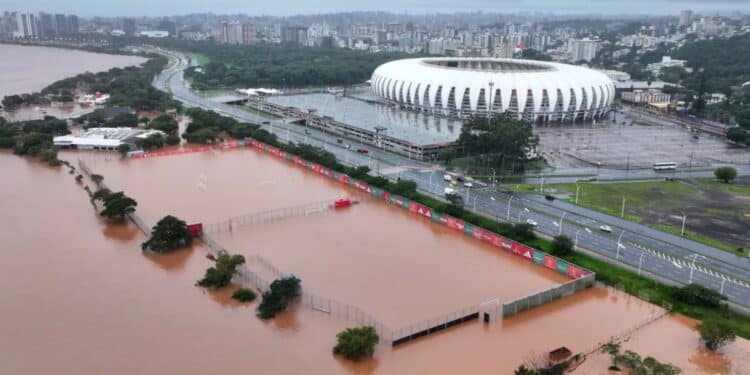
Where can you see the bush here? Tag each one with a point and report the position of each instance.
(244, 295)
(697, 295)
(173, 140)
(562, 246)
(715, 334)
(220, 275)
(356, 343)
(168, 234)
(523, 232)
(281, 292)
(726, 174)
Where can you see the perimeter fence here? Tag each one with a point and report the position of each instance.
(270, 215)
(530, 301)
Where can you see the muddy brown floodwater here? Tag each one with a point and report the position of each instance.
(28, 69)
(79, 297)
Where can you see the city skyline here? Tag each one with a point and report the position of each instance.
(89, 8)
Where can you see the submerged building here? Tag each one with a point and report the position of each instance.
(536, 91)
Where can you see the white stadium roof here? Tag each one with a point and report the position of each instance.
(535, 90)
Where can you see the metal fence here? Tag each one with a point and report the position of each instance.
(346, 311)
(626, 334)
(551, 294)
(436, 324)
(270, 215)
(133, 216)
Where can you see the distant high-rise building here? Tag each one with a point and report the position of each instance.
(26, 26)
(582, 49)
(46, 26)
(686, 17)
(294, 34)
(248, 33)
(128, 26)
(168, 26)
(72, 24)
(61, 24)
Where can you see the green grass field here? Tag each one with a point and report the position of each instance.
(716, 212)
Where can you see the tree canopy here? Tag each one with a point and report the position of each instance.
(726, 174)
(356, 343)
(168, 234)
(117, 205)
(497, 142)
(715, 334)
(277, 298)
(278, 65)
(220, 275)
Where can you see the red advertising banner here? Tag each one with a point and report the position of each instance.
(506, 244)
(399, 200)
(344, 179)
(362, 186)
(487, 236)
(550, 262)
(315, 167)
(455, 224)
(299, 161)
(575, 272)
(386, 196)
(257, 144)
(228, 145)
(325, 172)
(420, 210)
(522, 250)
(275, 152)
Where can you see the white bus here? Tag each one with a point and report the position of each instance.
(665, 166)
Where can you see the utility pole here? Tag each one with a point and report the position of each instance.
(622, 210)
(682, 232)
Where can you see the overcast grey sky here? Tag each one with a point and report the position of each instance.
(291, 7)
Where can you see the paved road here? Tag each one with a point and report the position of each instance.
(652, 251)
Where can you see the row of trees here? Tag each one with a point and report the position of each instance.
(33, 138)
(278, 65)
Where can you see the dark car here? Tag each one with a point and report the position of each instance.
(549, 197)
(363, 150)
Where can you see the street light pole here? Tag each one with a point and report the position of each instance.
(684, 218)
(578, 187)
(575, 243)
(562, 217)
(622, 210)
(619, 244)
(509, 200)
(640, 262)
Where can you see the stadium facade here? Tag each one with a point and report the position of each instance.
(536, 91)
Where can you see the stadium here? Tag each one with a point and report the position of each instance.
(536, 91)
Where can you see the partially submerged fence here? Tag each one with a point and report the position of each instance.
(268, 216)
(133, 216)
(437, 324)
(539, 298)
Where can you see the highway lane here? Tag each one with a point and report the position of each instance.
(711, 267)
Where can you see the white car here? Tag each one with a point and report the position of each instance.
(531, 222)
(447, 177)
(468, 184)
(605, 228)
(449, 191)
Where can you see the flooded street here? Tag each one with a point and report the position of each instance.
(27, 69)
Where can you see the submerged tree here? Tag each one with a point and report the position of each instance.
(716, 334)
(117, 205)
(277, 298)
(168, 234)
(220, 275)
(356, 343)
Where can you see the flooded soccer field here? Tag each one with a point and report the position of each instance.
(81, 295)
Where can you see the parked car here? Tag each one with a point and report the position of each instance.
(605, 228)
(468, 184)
(448, 190)
(460, 179)
(447, 177)
(531, 222)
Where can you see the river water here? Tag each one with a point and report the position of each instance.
(27, 69)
